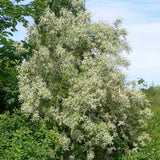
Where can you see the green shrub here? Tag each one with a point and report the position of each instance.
(23, 139)
(152, 149)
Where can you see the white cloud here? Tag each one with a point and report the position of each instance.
(144, 37)
(145, 65)
(145, 57)
(110, 15)
(142, 20)
(132, 11)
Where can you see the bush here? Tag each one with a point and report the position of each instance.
(152, 149)
(23, 139)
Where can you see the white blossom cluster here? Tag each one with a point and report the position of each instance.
(74, 80)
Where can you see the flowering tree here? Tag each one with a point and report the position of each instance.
(75, 81)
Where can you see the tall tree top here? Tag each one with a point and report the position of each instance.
(38, 7)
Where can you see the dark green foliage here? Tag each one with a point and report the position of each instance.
(152, 149)
(8, 87)
(23, 139)
(11, 13)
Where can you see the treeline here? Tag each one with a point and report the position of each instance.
(63, 94)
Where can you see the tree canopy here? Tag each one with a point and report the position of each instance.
(74, 81)
(38, 7)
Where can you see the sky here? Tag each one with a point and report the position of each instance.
(141, 18)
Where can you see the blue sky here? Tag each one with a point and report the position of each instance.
(141, 18)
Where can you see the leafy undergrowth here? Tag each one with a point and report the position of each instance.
(21, 139)
(152, 150)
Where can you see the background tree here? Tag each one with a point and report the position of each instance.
(74, 80)
(11, 13)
